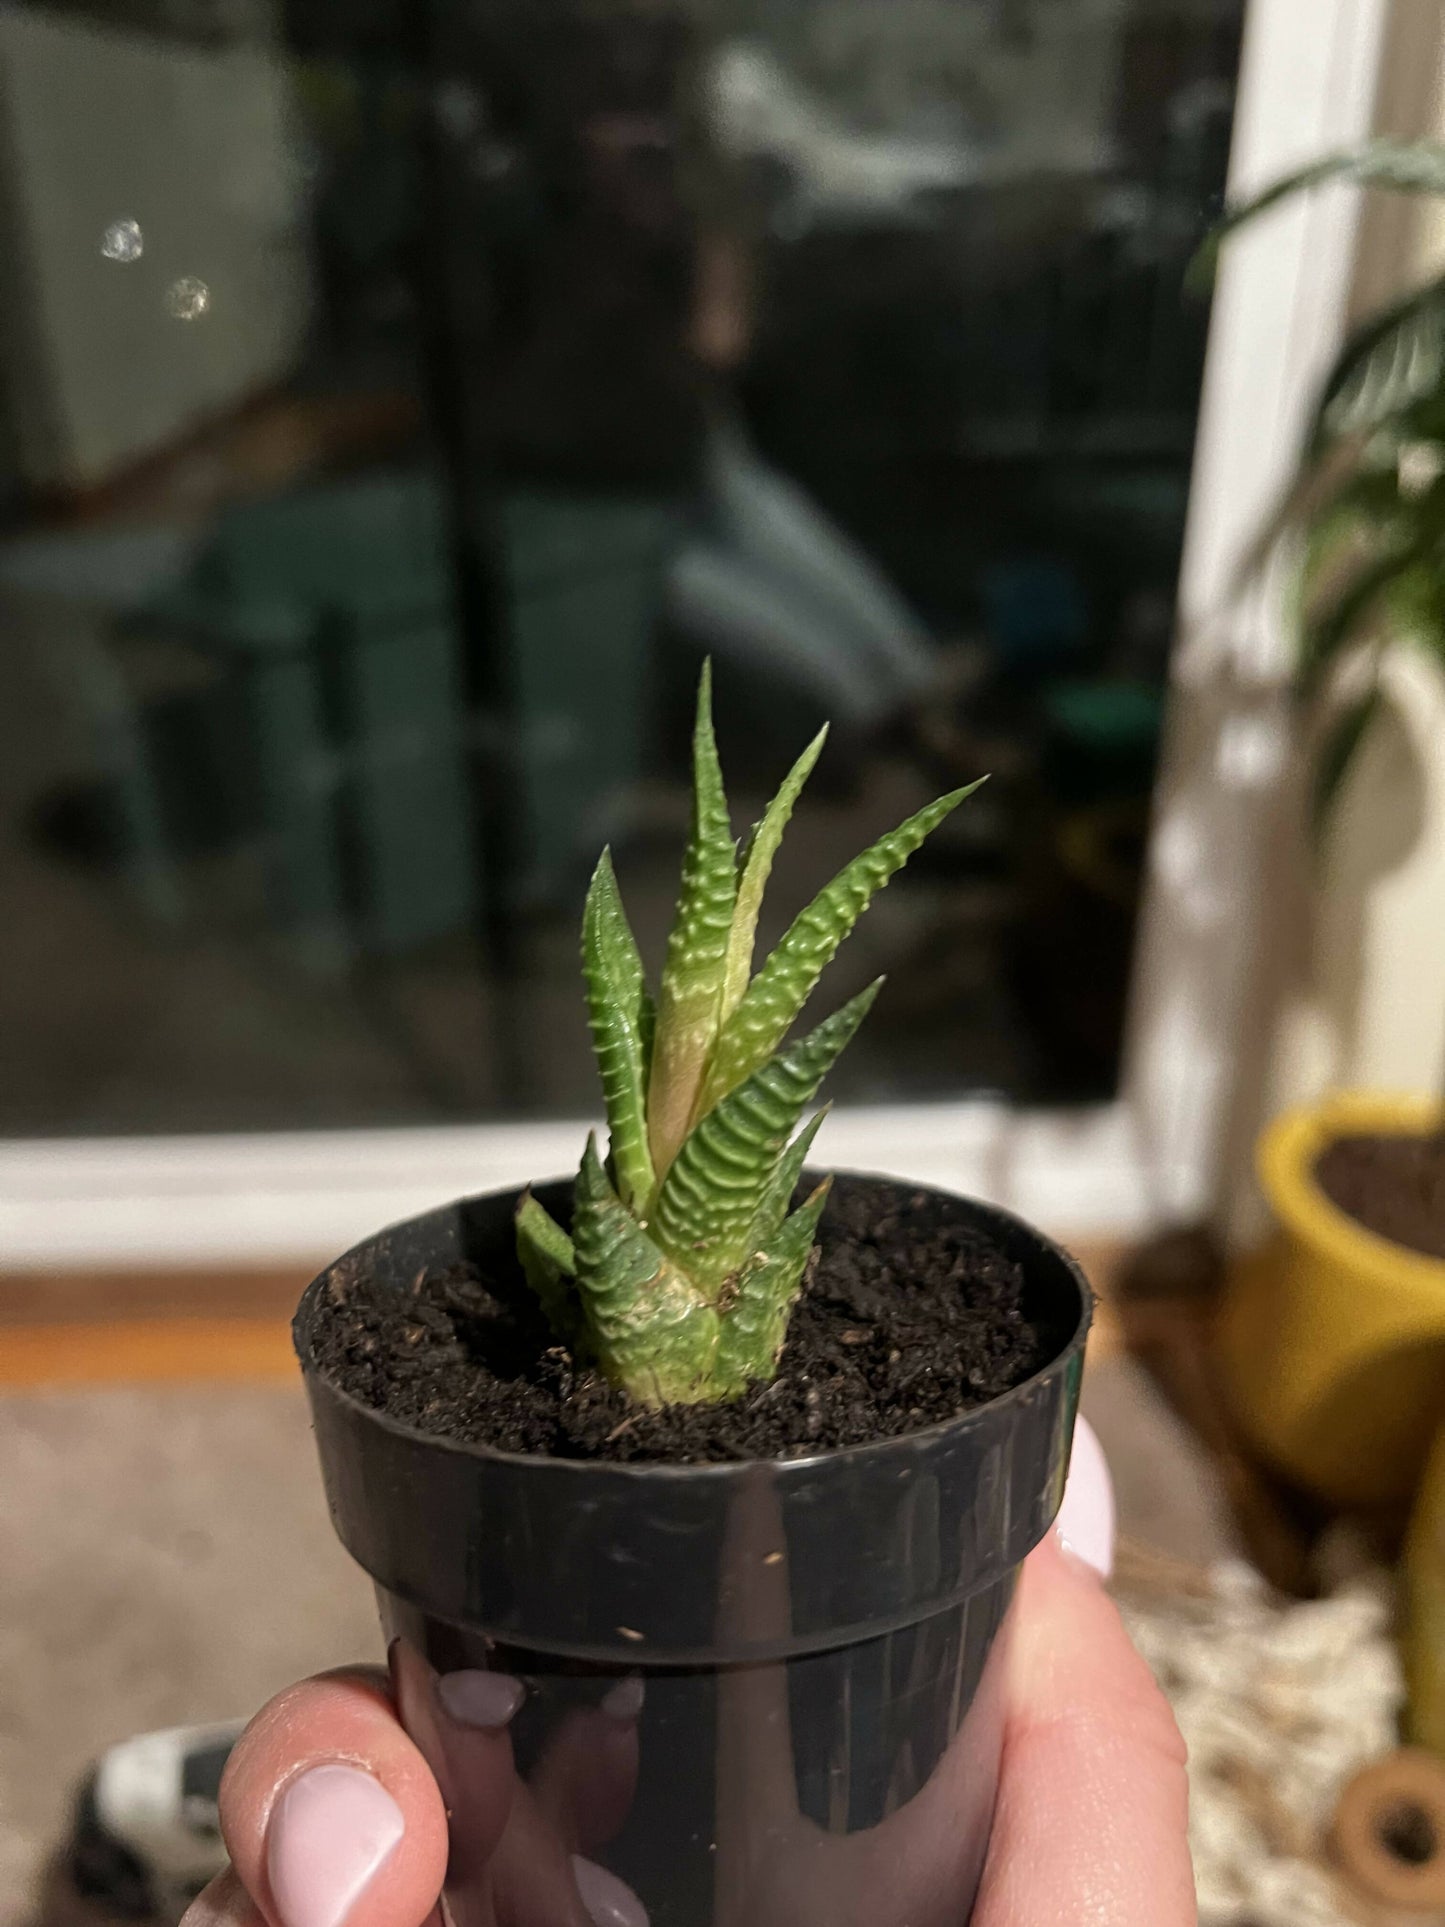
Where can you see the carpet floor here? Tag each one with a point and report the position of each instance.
(165, 1557)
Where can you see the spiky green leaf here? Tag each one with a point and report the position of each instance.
(756, 1325)
(710, 1198)
(651, 1331)
(785, 982)
(762, 848)
(549, 1265)
(778, 1198)
(692, 978)
(617, 1014)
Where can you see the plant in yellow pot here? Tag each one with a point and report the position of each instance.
(1333, 1337)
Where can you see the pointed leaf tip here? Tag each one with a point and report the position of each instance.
(755, 1327)
(711, 1198)
(761, 849)
(692, 980)
(785, 982)
(619, 1016)
(778, 1197)
(549, 1264)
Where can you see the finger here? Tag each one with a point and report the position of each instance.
(511, 1862)
(537, 1882)
(586, 1779)
(461, 1724)
(1086, 1518)
(224, 1903)
(330, 1814)
(1091, 1824)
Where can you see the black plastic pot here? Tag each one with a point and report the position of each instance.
(818, 1638)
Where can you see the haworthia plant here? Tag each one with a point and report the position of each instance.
(686, 1254)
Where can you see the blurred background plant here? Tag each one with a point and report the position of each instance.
(1367, 501)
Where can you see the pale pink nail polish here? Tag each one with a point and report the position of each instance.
(610, 1902)
(1085, 1524)
(479, 1698)
(331, 1833)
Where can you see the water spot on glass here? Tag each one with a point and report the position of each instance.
(122, 241)
(458, 109)
(494, 161)
(188, 298)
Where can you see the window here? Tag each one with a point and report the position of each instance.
(398, 404)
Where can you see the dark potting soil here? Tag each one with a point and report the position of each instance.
(907, 1317)
(1393, 1186)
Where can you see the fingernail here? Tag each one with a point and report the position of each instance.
(332, 1832)
(480, 1698)
(1085, 1524)
(624, 1702)
(609, 1901)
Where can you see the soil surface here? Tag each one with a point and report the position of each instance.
(1393, 1186)
(908, 1317)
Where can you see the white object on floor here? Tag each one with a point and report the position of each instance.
(155, 1796)
(1280, 1704)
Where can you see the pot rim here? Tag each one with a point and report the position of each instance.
(1285, 1158)
(734, 1469)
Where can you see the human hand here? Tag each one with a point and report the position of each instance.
(333, 1817)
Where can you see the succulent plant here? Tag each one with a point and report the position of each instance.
(685, 1256)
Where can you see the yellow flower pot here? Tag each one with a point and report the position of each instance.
(1332, 1340)
(1424, 1602)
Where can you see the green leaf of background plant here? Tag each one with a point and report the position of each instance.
(786, 981)
(1314, 496)
(1343, 622)
(692, 978)
(710, 1199)
(1336, 756)
(1389, 363)
(762, 848)
(1407, 167)
(617, 1014)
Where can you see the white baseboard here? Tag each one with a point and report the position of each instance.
(121, 1204)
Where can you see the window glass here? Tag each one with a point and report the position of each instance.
(398, 402)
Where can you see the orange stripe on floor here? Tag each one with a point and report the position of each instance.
(147, 1351)
(251, 1343)
(190, 1351)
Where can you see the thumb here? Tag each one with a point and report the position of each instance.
(1091, 1828)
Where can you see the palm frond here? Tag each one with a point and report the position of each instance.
(1403, 166)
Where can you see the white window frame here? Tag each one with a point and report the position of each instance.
(1309, 81)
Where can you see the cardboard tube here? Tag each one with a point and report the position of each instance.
(1389, 1831)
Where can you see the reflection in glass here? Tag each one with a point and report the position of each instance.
(743, 1796)
(527, 353)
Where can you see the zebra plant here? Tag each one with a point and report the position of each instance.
(686, 1256)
